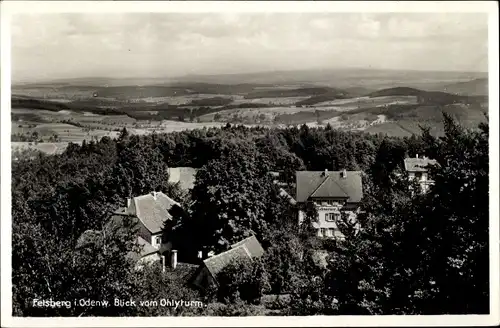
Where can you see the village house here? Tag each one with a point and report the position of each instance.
(148, 214)
(152, 210)
(206, 275)
(332, 193)
(418, 169)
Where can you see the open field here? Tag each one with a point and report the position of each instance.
(369, 101)
(273, 101)
(49, 148)
(394, 103)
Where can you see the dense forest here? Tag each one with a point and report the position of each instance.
(415, 254)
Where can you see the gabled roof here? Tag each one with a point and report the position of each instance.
(216, 263)
(252, 245)
(329, 184)
(152, 211)
(245, 249)
(186, 176)
(418, 164)
(329, 188)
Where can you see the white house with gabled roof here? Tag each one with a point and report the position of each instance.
(332, 193)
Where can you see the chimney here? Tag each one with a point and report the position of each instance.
(326, 172)
(154, 194)
(200, 255)
(343, 174)
(128, 202)
(173, 259)
(417, 155)
(163, 263)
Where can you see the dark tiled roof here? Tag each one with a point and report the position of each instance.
(418, 164)
(153, 212)
(252, 245)
(329, 185)
(217, 262)
(186, 176)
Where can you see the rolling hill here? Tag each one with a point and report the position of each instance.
(299, 92)
(476, 87)
(429, 97)
(398, 91)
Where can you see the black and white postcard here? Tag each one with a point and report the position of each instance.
(249, 163)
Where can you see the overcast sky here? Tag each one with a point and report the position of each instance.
(116, 45)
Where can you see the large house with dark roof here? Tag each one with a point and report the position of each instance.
(206, 275)
(332, 193)
(418, 169)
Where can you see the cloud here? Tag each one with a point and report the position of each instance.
(52, 44)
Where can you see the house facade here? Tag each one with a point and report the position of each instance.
(150, 213)
(334, 194)
(417, 169)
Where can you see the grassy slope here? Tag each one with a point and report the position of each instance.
(428, 111)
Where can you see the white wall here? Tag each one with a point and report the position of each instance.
(424, 180)
(327, 228)
(154, 243)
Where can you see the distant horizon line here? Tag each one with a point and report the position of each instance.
(174, 77)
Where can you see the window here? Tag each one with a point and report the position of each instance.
(418, 175)
(332, 217)
(157, 240)
(322, 232)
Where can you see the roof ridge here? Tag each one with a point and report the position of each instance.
(328, 178)
(226, 252)
(345, 192)
(312, 193)
(143, 196)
